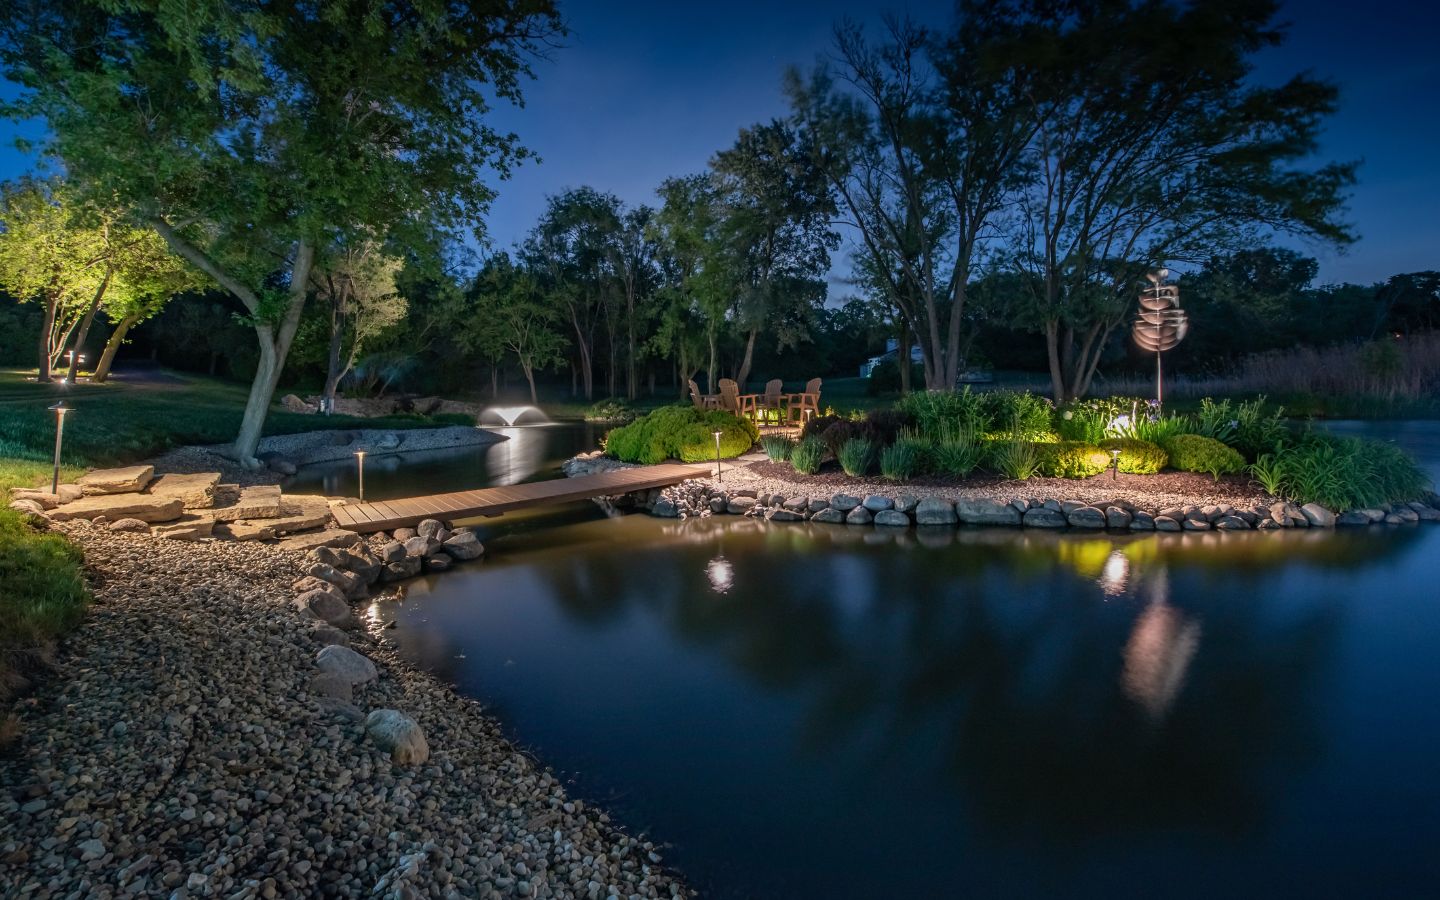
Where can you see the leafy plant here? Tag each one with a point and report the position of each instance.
(956, 451)
(1137, 457)
(1269, 473)
(1084, 421)
(777, 446)
(1198, 453)
(933, 412)
(1015, 459)
(611, 410)
(1341, 473)
(681, 432)
(1216, 421)
(903, 459)
(1157, 428)
(1071, 459)
(1258, 430)
(806, 455)
(856, 456)
(1018, 411)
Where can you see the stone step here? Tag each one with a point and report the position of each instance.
(125, 480)
(195, 490)
(144, 507)
(330, 537)
(256, 501)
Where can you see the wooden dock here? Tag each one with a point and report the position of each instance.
(386, 515)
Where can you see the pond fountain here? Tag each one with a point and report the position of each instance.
(512, 415)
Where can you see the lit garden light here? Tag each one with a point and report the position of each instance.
(717, 456)
(60, 410)
(1114, 465)
(360, 463)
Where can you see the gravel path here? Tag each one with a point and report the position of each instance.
(179, 751)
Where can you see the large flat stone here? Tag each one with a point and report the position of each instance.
(195, 490)
(125, 480)
(186, 528)
(256, 501)
(980, 511)
(330, 537)
(121, 506)
(300, 512)
(244, 531)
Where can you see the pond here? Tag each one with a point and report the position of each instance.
(825, 711)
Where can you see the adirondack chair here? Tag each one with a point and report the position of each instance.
(804, 405)
(772, 402)
(730, 396)
(701, 401)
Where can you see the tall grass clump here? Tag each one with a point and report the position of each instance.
(856, 456)
(905, 458)
(1022, 413)
(807, 455)
(777, 447)
(1015, 458)
(933, 412)
(1341, 473)
(956, 451)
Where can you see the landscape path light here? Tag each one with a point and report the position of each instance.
(360, 462)
(1114, 465)
(717, 456)
(60, 410)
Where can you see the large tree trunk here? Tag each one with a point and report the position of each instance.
(47, 326)
(274, 348)
(632, 383)
(587, 375)
(902, 356)
(710, 372)
(84, 331)
(1052, 351)
(744, 374)
(530, 378)
(112, 346)
(332, 362)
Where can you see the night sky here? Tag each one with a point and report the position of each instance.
(642, 91)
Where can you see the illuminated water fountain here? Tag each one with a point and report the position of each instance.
(511, 416)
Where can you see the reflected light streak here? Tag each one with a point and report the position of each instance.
(721, 574)
(1159, 653)
(1115, 576)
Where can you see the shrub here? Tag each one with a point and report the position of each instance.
(1071, 459)
(1158, 428)
(885, 377)
(856, 456)
(777, 447)
(611, 410)
(1017, 412)
(681, 432)
(1198, 453)
(903, 459)
(956, 451)
(806, 455)
(879, 427)
(932, 412)
(1084, 421)
(1137, 457)
(1341, 473)
(1015, 459)
(1258, 430)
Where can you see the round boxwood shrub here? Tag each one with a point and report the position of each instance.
(1137, 457)
(1197, 453)
(681, 432)
(1071, 459)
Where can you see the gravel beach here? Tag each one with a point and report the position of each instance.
(184, 748)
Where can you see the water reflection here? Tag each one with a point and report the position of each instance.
(1158, 653)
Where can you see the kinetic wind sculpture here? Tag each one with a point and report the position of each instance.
(1161, 323)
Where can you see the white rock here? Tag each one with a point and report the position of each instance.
(346, 663)
(393, 731)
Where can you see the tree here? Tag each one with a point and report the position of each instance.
(1152, 145)
(249, 135)
(510, 313)
(698, 271)
(359, 287)
(634, 263)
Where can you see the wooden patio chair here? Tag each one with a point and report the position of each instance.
(772, 403)
(730, 396)
(804, 405)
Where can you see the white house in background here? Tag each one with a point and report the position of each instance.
(892, 349)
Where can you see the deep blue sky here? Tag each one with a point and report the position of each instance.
(645, 90)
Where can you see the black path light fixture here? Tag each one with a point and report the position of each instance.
(1161, 324)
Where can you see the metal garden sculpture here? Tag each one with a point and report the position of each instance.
(1161, 323)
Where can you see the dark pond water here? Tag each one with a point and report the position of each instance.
(820, 711)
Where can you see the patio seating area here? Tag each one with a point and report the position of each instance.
(774, 411)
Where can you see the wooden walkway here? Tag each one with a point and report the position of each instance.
(390, 514)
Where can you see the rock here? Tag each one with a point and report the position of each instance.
(397, 734)
(311, 583)
(121, 506)
(1166, 523)
(817, 504)
(408, 567)
(403, 534)
(1044, 517)
(935, 511)
(438, 562)
(828, 516)
(1318, 516)
(1406, 514)
(196, 491)
(28, 507)
(1353, 517)
(906, 503)
(292, 403)
(717, 504)
(1374, 515)
(844, 502)
(186, 528)
(277, 462)
(389, 441)
(1426, 512)
(1069, 506)
(796, 504)
(300, 512)
(429, 528)
(738, 506)
(243, 531)
(362, 562)
(352, 585)
(134, 525)
(1195, 523)
(325, 635)
(981, 511)
(326, 607)
(892, 518)
(1393, 519)
(875, 503)
(1115, 517)
(1231, 523)
(859, 516)
(1086, 517)
(330, 556)
(1142, 521)
(665, 509)
(392, 551)
(91, 849)
(419, 545)
(125, 480)
(45, 499)
(256, 501)
(330, 537)
(328, 684)
(346, 663)
(781, 514)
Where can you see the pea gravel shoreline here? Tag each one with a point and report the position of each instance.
(178, 751)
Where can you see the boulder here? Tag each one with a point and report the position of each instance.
(429, 528)
(935, 511)
(738, 506)
(1353, 517)
(393, 551)
(352, 585)
(859, 516)
(1142, 521)
(718, 504)
(186, 528)
(388, 441)
(796, 504)
(875, 503)
(420, 546)
(125, 480)
(906, 503)
(665, 509)
(981, 511)
(403, 534)
(244, 531)
(300, 512)
(1195, 523)
(1426, 512)
(1044, 517)
(1318, 516)
(892, 518)
(817, 504)
(362, 562)
(1115, 517)
(1406, 514)
(325, 635)
(256, 501)
(27, 507)
(133, 525)
(397, 734)
(346, 663)
(45, 499)
(1086, 517)
(828, 516)
(1393, 519)
(781, 514)
(121, 506)
(1166, 523)
(408, 567)
(844, 502)
(277, 462)
(1231, 523)
(196, 491)
(330, 537)
(311, 583)
(293, 403)
(324, 606)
